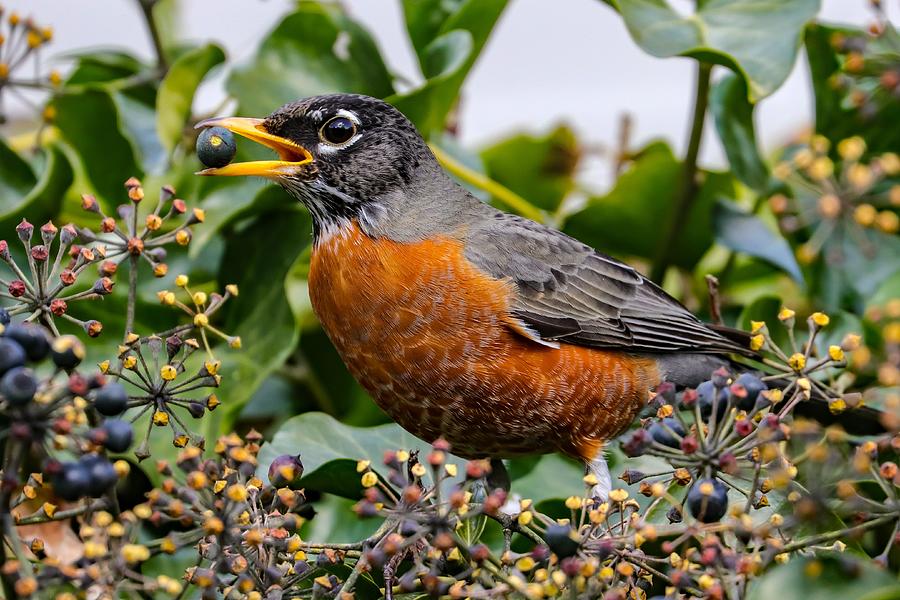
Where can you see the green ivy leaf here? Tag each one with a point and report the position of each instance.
(826, 577)
(16, 179)
(745, 232)
(258, 259)
(330, 450)
(756, 38)
(448, 38)
(43, 201)
(627, 219)
(538, 168)
(176, 92)
(314, 50)
(90, 122)
(734, 123)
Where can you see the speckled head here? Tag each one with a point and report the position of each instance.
(340, 154)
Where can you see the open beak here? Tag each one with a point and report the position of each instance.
(292, 155)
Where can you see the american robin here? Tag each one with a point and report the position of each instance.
(501, 335)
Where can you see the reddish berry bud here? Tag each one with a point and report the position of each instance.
(25, 229)
(89, 203)
(93, 328)
(108, 268)
(48, 232)
(67, 277)
(4, 251)
(68, 235)
(743, 427)
(689, 397)
(179, 206)
(103, 286)
(16, 288)
(689, 444)
(78, 385)
(58, 307)
(108, 225)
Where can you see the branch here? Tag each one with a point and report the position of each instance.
(147, 10)
(688, 191)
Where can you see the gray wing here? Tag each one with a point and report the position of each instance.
(568, 292)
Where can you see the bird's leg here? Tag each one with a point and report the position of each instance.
(597, 467)
(499, 476)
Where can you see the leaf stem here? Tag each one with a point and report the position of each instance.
(688, 190)
(498, 191)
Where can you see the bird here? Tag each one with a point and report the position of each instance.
(498, 334)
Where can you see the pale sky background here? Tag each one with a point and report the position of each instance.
(573, 63)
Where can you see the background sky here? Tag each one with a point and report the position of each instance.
(574, 63)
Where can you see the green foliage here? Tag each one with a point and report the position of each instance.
(757, 39)
(116, 116)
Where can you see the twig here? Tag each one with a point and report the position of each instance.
(715, 302)
(688, 191)
(147, 10)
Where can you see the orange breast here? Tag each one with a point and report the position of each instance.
(423, 330)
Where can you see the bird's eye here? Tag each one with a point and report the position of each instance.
(338, 131)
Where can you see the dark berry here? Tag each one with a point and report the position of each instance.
(4, 317)
(18, 386)
(562, 540)
(33, 339)
(660, 434)
(708, 500)
(67, 352)
(102, 474)
(752, 385)
(72, 482)
(216, 147)
(11, 354)
(706, 391)
(111, 399)
(119, 435)
(285, 470)
(636, 444)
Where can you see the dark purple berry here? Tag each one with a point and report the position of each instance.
(33, 339)
(18, 386)
(4, 317)
(708, 500)
(660, 434)
(752, 385)
(72, 482)
(102, 474)
(11, 354)
(706, 392)
(111, 399)
(119, 435)
(562, 540)
(67, 352)
(216, 147)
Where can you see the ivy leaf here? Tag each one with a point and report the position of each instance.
(538, 168)
(16, 178)
(330, 450)
(837, 577)
(448, 38)
(314, 50)
(90, 122)
(734, 123)
(758, 39)
(43, 200)
(745, 232)
(258, 259)
(176, 92)
(627, 219)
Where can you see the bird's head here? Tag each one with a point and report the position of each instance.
(340, 154)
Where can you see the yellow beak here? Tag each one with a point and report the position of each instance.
(292, 155)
